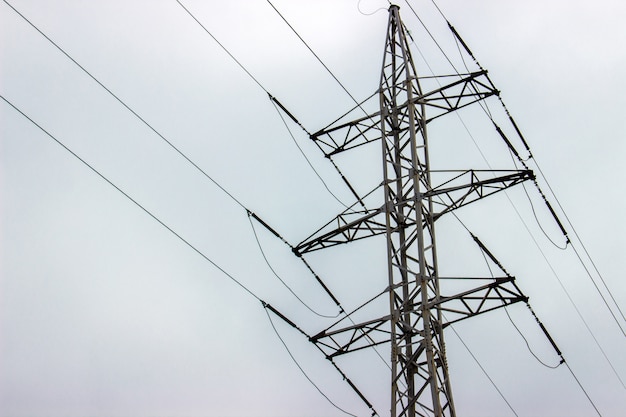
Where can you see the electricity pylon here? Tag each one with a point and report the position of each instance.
(419, 308)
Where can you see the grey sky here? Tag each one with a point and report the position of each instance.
(103, 312)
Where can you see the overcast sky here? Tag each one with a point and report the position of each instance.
(104, 312)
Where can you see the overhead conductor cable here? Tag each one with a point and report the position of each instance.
(161, 136)
(548, 205)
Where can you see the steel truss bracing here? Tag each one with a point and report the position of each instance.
(420, 379)
(461, 189)
(418, 308)
(461, 92)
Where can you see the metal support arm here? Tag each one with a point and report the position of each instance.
(500, 292)
(470, 88)
(461, 190)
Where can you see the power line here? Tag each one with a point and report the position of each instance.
(482, 251)
(94, 170)
(358, 104)
(256, 237)
(484, 371)
(560, 282)
(141, 118)
(358, 7)
(277, 104)
(305, 157)
(223, 47)
(168, 142)
(186, 242)
(582, 263)
(485, 109)
(579, 240)
(302, 369)
(524, 223)
(563, 361)
(175, 148)
(190, 161)
(532, 207)
(540, 191)
(272, 99)
(528, 344)
(583, 389)
(157, 132)
(330, 294)
(531, 156)
(317, 57)
(129, 109)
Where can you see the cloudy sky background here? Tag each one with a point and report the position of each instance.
(106, 313)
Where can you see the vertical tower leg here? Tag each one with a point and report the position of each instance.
(420, 384)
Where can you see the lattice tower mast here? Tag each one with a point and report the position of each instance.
(418, 357)
(420, 384)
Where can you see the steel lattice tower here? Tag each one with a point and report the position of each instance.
(410, 224)
(419, 308)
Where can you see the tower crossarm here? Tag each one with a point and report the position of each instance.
(338, 341)
(465, 90)
(348, 135)
(470, 186)
(468, 89)
(496, 293)
(463, 188)
(346, 227)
